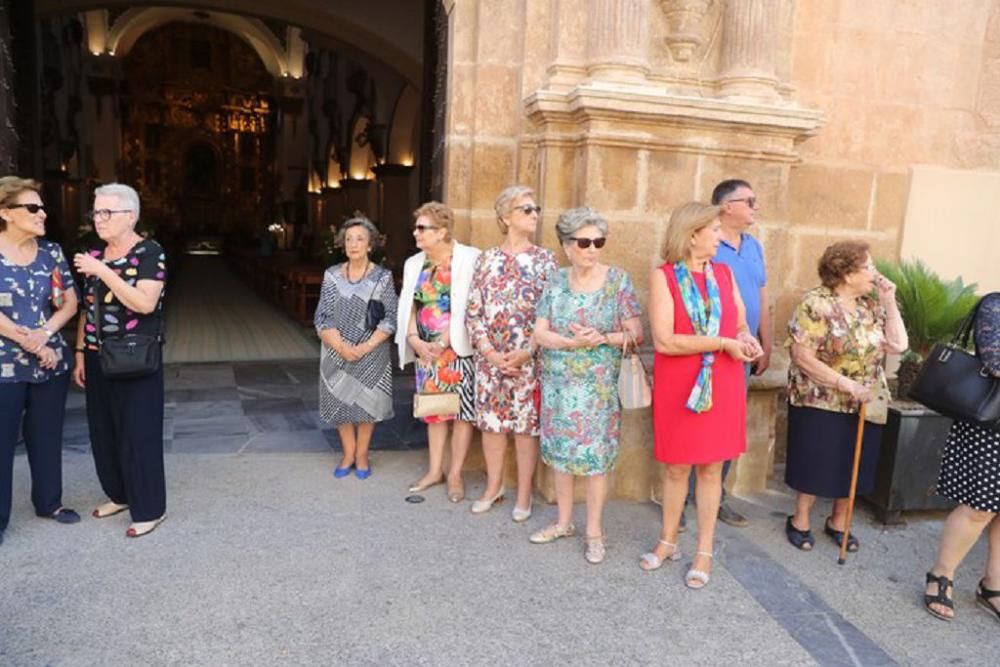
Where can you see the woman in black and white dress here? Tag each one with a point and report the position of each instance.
(970, 475)
(355, 383)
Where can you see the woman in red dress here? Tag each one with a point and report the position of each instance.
(699, 397)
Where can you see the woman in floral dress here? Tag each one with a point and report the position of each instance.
(431, 330)
(582, 318)
(839, 335)
(501, 319)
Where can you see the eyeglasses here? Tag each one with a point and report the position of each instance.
(583, 244)
(30, 208)
(528, 209)
(424, 228)
(104, 214)
(751, 201)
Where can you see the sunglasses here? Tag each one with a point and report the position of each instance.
(583, 244)
(31, 208)
(751, 201)
(528, 209)
(424, 228)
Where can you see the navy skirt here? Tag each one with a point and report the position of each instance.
(821, 452)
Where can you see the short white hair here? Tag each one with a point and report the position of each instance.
(124, 193)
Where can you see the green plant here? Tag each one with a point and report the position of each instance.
(932, 310)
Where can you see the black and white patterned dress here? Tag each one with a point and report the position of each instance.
(353, 392)
(970, 469)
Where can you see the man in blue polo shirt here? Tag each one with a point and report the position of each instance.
(745, 256)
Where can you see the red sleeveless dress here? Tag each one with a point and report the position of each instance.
(684, 436)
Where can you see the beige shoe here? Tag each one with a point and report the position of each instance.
(552, 533)
(481, 506)
(519, 515)
(597, 548)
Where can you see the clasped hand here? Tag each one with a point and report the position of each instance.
(584, 336)
(509, 363)
(35, 342)
(743, 348)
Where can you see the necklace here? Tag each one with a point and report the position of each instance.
(347, 273)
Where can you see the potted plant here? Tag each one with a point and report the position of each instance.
(914, 436)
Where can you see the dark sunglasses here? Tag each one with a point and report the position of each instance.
(31, 208)
(583, 244)
(751, 201)
(424, 228)
(528, 209)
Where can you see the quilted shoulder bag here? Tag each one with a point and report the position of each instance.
(955, 383)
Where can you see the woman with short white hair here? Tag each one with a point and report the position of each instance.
(584, 317)
(125, 275)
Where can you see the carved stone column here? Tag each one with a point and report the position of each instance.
(617, 40)
(750, 40)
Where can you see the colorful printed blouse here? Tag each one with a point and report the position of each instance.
(852, 344)
(145, 261)
(988, 333)
(27, 296)
(433, 300)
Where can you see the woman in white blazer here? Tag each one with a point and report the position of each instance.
(431, 331)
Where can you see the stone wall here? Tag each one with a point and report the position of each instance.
(636, 106)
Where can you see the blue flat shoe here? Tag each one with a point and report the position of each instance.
(363, 473)
(340, 473)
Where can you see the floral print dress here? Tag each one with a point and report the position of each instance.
(449, 373)
(580, 410)
(501, 316)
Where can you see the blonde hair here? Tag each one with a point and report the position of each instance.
(505, 202)
(11, 188)
(441, 215)
(686, 221)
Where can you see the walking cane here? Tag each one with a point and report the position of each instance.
(854, 485)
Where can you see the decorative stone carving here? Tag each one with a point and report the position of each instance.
(688, 23)
(750, 39)
(616, 40)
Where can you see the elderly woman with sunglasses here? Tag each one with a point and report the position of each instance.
(506, 287)
(430, 329)
(37, 299)
(699, 403)
(124, 294)
(584, 316)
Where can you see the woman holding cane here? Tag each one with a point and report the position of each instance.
(839, 336)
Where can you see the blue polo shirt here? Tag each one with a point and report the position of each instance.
(747, 265)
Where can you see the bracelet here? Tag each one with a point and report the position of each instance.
(81, 350)
(48, 332)
(412, 335)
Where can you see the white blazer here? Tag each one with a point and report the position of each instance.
(463, 263)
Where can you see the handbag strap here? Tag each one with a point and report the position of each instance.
(378, 281)
(964, 332)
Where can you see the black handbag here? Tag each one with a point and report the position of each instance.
(375, 312)
(955, 383)
(132, 355)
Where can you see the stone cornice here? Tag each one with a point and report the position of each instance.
(646, 105)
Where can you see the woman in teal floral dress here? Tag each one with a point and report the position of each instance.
(581, 317)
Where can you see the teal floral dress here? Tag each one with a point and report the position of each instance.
(580, 411)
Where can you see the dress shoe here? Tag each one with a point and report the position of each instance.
(481, 506)
(519, 515)
(340, 473)
(731, 517)
(363, 473)
(417, 486)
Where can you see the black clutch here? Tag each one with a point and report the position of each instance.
(954, 382)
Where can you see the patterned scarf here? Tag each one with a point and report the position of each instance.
(705, 319)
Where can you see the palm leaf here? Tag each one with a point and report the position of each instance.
(932, 308)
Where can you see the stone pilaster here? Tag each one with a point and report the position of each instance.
(750, 40)
(617, 40)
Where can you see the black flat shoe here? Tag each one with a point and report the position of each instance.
(838, 537)
(983, 597)
(800, 539)
(63, 515)
(943, 584)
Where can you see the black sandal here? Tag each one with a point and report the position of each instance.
(983, 596)
(800, 539)
(838, 537)
(943, 584)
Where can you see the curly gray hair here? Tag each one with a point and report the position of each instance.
(374, 238)
(505, 202)
(574, 219)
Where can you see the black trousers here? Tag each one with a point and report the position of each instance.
(126, 438)
(40, 408)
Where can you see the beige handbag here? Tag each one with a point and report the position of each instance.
(436, 404)
(633, 385)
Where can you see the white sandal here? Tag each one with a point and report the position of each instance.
(596, 549)
(694, 575)
(650, 561)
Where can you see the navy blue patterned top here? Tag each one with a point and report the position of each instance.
(26, 297)
(988, 332)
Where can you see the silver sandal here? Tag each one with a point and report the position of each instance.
(694, 575)
(650, 561)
